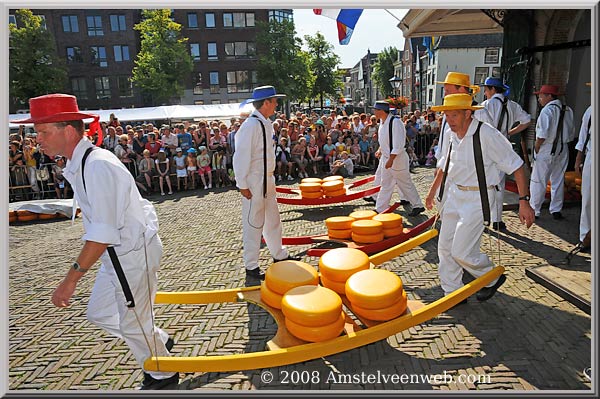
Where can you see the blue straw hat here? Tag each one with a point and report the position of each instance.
(263, 93)
(382, 105)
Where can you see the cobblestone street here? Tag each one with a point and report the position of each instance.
(525, 338)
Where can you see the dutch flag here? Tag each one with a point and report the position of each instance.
(346, 20)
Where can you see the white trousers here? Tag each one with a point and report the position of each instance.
(585, 221)
(459, 242)
(107, 309)
(553, 168)
(260, 218)
(392, 178)
(496, 211)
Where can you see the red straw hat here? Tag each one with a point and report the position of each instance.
(548, 89)
(52, 108)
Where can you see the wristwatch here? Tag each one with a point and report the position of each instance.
(78, 268)
(524, 198)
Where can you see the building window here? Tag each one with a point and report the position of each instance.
(238, 19)
(192, 20)
(79, 88)
(70, 23)
(74, 55)
(430, 95)
(240, 50)
(121, 53)
(214, 82)
(94, 25)
(212, 51)
(198, 87)
(102, 87)
(99, 56)
(117, 23)
(209, 18)
(280, 15)
(480, 74)
(238, 82)
(492, 55)
(124, 86)
(43, 23)
(496, 72)
(12, 20)
(215, 102)
(198, 102)
(195, 51)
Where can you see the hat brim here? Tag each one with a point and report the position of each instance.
(60, 117)
(251, 100)
(437, 108)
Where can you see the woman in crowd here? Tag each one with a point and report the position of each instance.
(299, 156)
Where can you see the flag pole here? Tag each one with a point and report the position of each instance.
(397, 19)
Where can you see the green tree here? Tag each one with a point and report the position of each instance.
(163, 62)
(383, 70)
(282, 63)
(323, 65)
(35, 68)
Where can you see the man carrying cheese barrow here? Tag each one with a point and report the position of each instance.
(476, 153)
(253, 165)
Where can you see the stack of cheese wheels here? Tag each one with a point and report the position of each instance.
(376, 294)
(283, 276)
(338, 264)
(367, 231)
(333, 186)
(363, 215)
(313, 313)
(311, 188)
(339, 227)
(392, 224)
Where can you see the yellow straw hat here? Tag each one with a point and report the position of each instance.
(456, 101)
(460, 79)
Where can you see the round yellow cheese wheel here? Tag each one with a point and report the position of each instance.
(336, 286)
(383, 314)
(332, 178)
(344, 234)
(367, 227)
(45, 216)
(361, 215)
(311, 180)
(311, 305)
(284, 275)
(339, 222)
(332, 186)
(310, 187)
(374, 288)
(396, 231)
(335, 193)
(316, 333)
(12, 219)
(26, 216)
(311, 195)
(269, 297)
(340, 263)
(367, 238)
(389, 220)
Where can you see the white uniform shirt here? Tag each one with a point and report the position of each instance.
(113, 210)
(496, 150)
(248, 157)
(398, 138)
(583, 132)
(515, 113)
(547, 123)
(170, 140)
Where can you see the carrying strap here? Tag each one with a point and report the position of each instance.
(441, 192)
(485, 201)
(130, 302)
(441, 138)
(559, 129)
(503, 113)
(587, 139)
(262, 125)
(390, 133)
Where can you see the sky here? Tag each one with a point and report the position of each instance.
(375, 30)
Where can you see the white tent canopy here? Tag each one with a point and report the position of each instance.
(177, 112)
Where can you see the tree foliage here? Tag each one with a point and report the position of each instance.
(282, 63)
(163, 62)
(323, 65)
(383, 70)
(35, 68)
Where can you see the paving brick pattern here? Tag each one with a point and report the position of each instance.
(525, 338)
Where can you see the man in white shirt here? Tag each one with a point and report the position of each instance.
(505, 114)
(121, 230)
(583, 164)
(553, 132)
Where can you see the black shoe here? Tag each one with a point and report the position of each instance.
(370, 199)
(463, 302)
(416, 211)
(169, 344)
(290, 257)
(404, 202)
(255, 273)
(467, 277)
(499, 226)
(586, 249)
(557, 216)
(487, 292)
(151, 383)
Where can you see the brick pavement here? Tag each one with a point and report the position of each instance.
(525, 338)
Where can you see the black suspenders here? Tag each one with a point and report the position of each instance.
(587, 139)
(559, 129)
(503, 113)
(264, 156)
(130, 302)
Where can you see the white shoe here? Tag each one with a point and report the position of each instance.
(170, 192)
(162, 193)
(210, 185)
(279, 178)
(290, 178)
